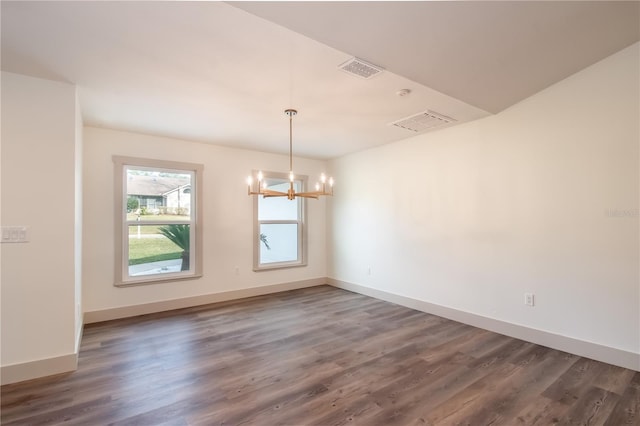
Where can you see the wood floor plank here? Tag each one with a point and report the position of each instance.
(593, 408)
(541, 412)
(574, 382)
(614, 379)
(538, 368)
(318, 356)
(404, 400)
(627, 410)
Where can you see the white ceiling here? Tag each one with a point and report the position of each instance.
(212, 72)
(490, 54)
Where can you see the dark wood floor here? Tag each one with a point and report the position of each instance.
(319, 356)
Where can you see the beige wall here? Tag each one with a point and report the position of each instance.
(474, 216)
(228, 216)
(38, 181)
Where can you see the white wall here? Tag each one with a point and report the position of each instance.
(38, 180)
(228, 216)
(474, 216)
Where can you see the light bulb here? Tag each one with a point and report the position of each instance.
(330, 181)
(323, 178)
(317, 186)
(291, 176)
(259, 176)
(264, 185)
(249, 180)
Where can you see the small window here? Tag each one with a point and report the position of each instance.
(279, 226)
(158, 225)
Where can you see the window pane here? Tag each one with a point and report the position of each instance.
(279, 208)
(156, 195)
(152, 252)
(282, 240)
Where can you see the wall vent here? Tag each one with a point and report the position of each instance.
(423, 121)
(360, 68)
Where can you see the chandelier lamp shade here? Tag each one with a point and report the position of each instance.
(323, 188)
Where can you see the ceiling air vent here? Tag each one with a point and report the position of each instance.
(423, 121)
(360, 68)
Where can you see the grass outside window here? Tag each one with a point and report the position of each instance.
(152, 250)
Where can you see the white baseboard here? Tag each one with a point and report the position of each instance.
(43, 367)
(187, 302)
(35, 369)
(591, 350)
(79, 334)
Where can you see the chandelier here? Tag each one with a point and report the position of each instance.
(291, 194)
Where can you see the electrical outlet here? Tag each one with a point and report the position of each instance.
(237, 270)
(368, 270)
(529, 299)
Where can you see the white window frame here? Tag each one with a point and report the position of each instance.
(121, 165)
(301, 222)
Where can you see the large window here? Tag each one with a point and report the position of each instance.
(279, 230)
(158, 220)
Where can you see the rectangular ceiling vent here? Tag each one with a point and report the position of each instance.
(423, 121)
(360, 68)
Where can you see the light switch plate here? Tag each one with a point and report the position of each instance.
(15, 234)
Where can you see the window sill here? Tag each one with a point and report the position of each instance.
(157, 280)
(276, 266)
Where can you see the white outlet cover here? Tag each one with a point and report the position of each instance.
(529, 299)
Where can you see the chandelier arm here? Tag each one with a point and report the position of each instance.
(271, 193)
(268, 193)
(310, 194)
